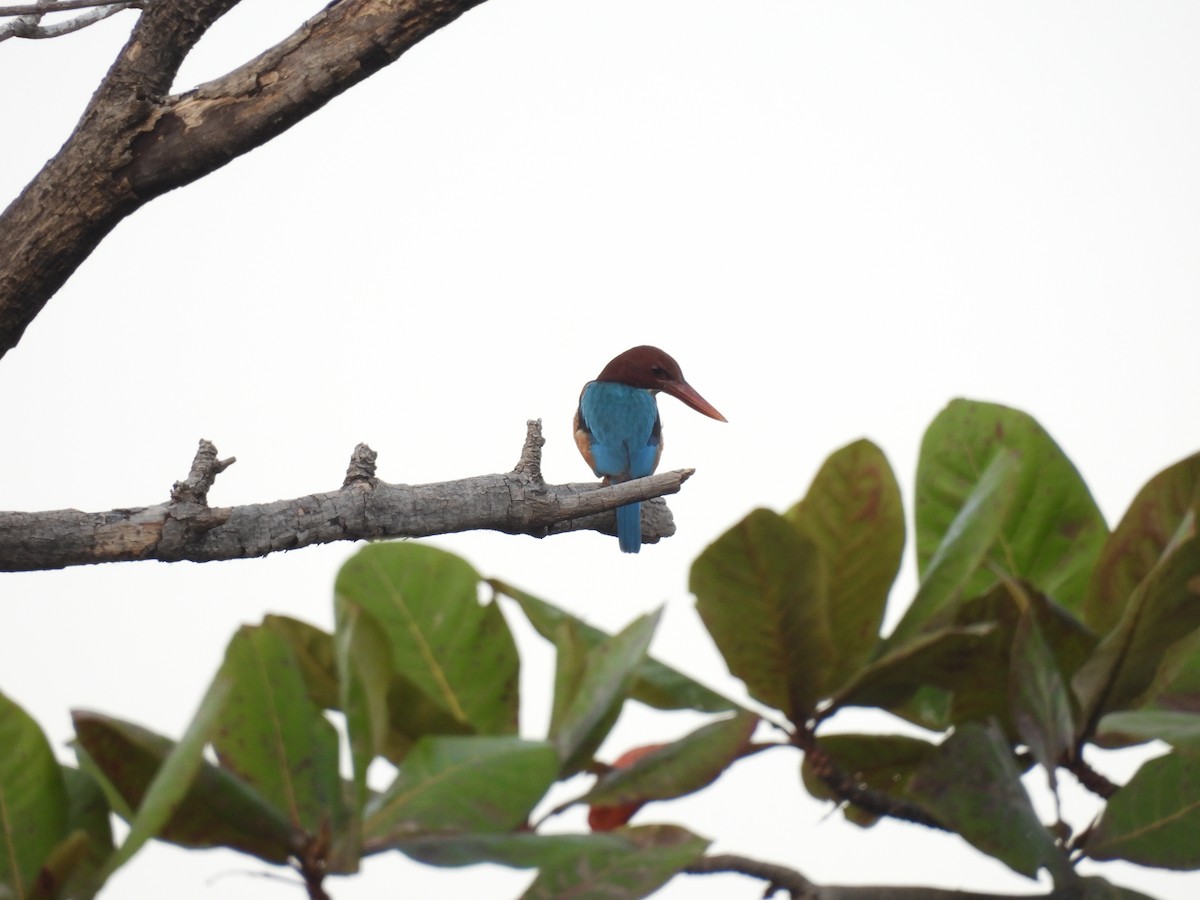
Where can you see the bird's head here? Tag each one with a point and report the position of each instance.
(654, 370)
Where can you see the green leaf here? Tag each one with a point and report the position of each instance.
(596, 695)
(33, 799)
(1039, 698)
(364, 674)
(314, 653)
(652, 856)
(655, 684)
(761, 593)
(1177, 685)
(470, 784)
(937, 659)
(570, 664)
(965, 543)
(527, 850)
(273, 737)
(972, 786)
(1053, 529)
(457, 652)
(517, 850)
(881, 762)
(1154, 819)
(681, 767)
(1140, 540)
(72, 867)
(162, 801)
(1097, 888)
(979, 691)
(1135, 657)
(1179, 729)
(854, 513)
(197, 805)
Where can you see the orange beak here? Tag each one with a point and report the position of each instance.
(688, 394)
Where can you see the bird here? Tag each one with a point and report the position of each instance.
(617, 428)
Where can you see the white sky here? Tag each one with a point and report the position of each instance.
(836, 216)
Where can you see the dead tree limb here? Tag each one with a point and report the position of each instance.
(136, 141)
(363, 508)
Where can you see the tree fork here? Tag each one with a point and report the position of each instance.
(135, 141)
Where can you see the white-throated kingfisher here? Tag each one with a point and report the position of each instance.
(617, 428)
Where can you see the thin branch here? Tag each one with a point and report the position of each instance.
(782, 878)
(363, 508)
(778, 878)
(27, 24)
(851, 791)
(53, 6)
(1090, 778)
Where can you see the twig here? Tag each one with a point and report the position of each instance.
(27, 23)
(1090, 778)
(778, 878)
(878, 802)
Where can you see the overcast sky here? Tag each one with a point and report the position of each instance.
(836, 216)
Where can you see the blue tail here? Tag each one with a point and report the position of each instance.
(629, 527)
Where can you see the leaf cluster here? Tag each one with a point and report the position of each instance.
(1034, 633)
(425, 677)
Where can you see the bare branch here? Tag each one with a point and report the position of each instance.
(135, 142)
(778, 878)
(27, 25)
(53, 6)
(364, 508)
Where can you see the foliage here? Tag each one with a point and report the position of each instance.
(1034, 634)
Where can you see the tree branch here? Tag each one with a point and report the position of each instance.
(848, 789)
(782, 878)
(27, 23)
(364, 508)
(134, 142)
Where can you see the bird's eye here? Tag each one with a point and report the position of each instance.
(658, 371)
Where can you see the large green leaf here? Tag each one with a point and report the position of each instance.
(652, 856)
(555, 853)
(854, 513)
(1040, 701)
(1139, 541)
(469, 784)
(365, 672)
(881, 762)
(1164, 611)
(971, 784)
(1154, 819)
(1178, 683)
(456, 651)
(1053, 529)
(761, 593)
(937, 659)
(1179, 729)
(964, 546)
(591, 689)
(1096, 888)
(195, 805)
(33, 800)
(681, 767)
(655, 684)
(273, 737)
(314, 653)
